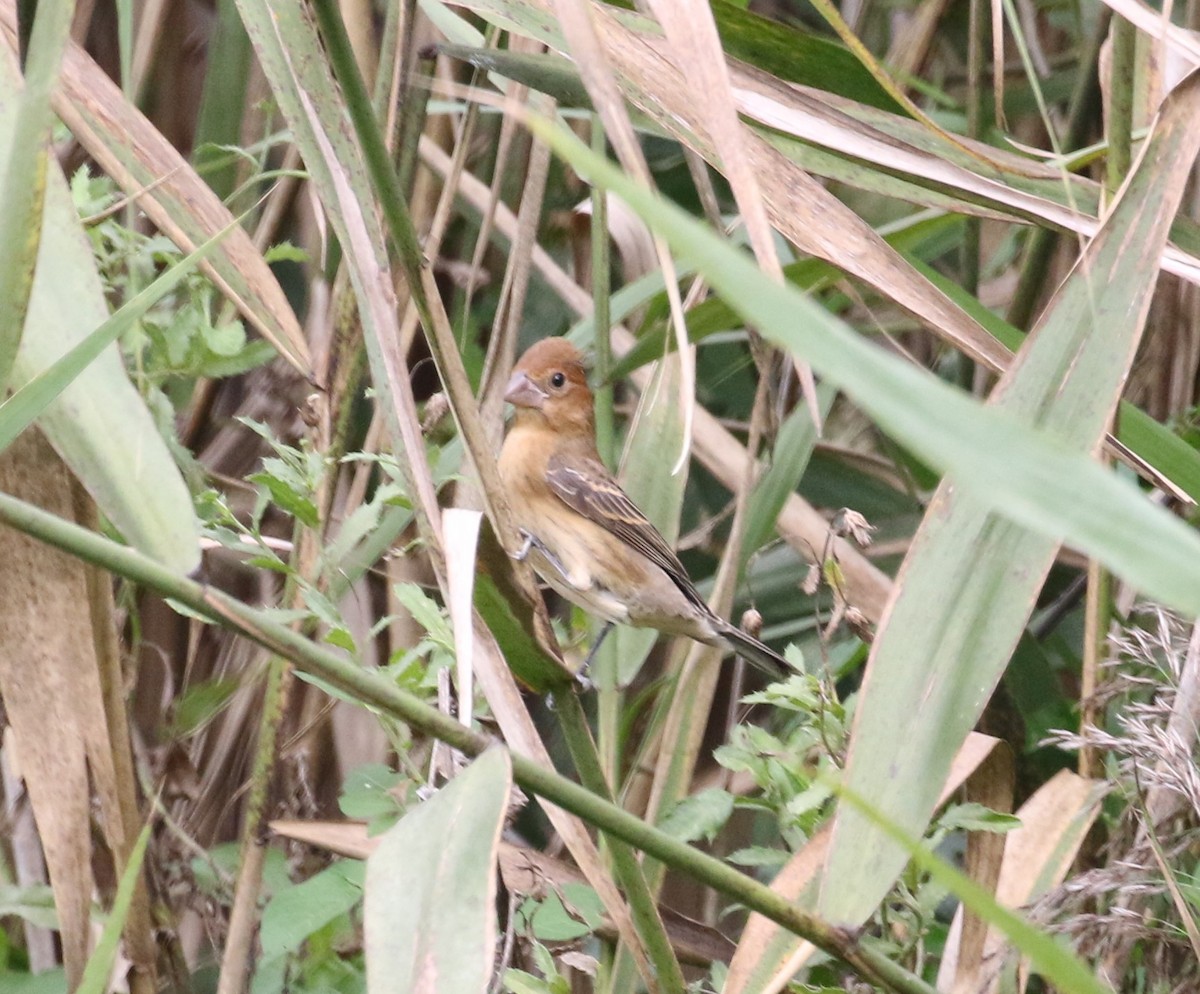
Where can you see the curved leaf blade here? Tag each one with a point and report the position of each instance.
(430, 915)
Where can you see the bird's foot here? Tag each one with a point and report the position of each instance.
(522, 553)
(532, 542)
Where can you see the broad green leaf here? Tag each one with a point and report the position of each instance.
(296, 912)
(24, 164)
(430, 915)
(973, 571)
(34, 396)
(698, 816)
(790, 53)
(99, 424)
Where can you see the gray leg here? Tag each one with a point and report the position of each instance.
(587, 663)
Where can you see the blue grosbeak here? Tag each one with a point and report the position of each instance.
(583, 535)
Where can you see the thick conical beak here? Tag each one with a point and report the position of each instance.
(523, 392)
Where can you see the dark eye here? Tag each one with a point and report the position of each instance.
(557, 380)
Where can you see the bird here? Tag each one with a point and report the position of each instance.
(580, 531)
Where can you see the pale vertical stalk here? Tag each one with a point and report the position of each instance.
(1120, 104)
(139, 927)
(243, 916)
(601, 291)
(1097, 618)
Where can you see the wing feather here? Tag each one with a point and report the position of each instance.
(587, 487)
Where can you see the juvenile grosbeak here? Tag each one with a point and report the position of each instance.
(583, 535)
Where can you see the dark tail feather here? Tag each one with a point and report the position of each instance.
(755, 653)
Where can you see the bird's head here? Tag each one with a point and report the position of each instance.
(549, 383)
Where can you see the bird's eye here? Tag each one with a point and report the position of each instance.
(557, 380)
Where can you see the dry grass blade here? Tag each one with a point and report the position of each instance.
(1157, 25)
(137, 156)
(51, 691)
(696, 46)
(802, 210)
(580, 23)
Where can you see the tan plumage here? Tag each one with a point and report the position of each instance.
(585, 537)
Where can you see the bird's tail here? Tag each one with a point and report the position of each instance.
(754, 652)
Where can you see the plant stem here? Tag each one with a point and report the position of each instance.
(1035, 269)
(369, 688)
(244, 914)
(601, 291)
(1120, 104)
(625, 863)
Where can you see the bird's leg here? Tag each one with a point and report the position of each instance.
(587, 663)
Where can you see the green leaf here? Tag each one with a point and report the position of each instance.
(975, 568)
(367, 792)
(1024, 473)
(24, 167)
(288, 498)
(647, 474)
(296, 912)
(226, 339)
(426, 612)
(285, 252)
(35, 904)
(552, 920)
(759, 856)
(198, 704)
(100, 963)
(1049, 955)
(977, 818)
(699, 816)
(789, 459)
(430, 916)
(797, 56)
(99, 425)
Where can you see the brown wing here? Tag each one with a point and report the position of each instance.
(588, 488)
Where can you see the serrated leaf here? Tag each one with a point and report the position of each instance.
(699, 816)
